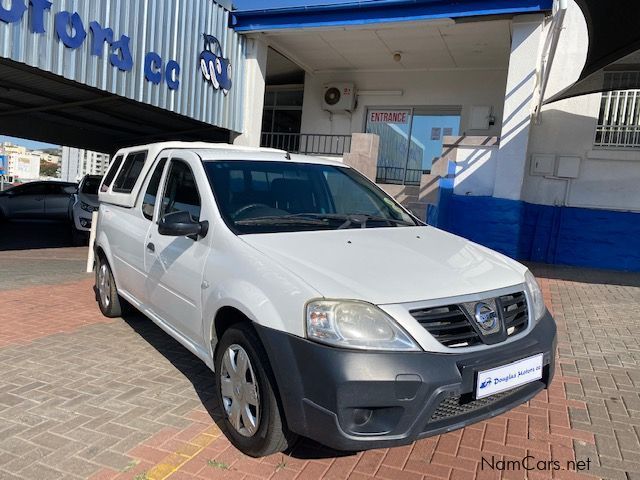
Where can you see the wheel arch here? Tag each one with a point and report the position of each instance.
(225, 318)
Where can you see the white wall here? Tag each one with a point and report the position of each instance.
(475, 170)
(255, 72)
(526, 45)
(608, 178)
(431, 88)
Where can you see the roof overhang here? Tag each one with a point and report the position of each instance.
(379, 11)
(614, 37)
(43, 106)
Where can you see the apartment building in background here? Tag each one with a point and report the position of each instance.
(76, 163)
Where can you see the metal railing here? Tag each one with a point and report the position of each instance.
(619, 120)
(308, 143)
(398, 176)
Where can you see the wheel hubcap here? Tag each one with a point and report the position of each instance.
(239, 389)
(104, 285)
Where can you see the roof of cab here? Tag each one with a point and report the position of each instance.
(198, 146)
(225, 151)
(267, 156)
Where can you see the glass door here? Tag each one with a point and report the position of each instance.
(410, 140)
(427, 136)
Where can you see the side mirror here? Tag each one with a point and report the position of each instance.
(70, 190)
(180, 224)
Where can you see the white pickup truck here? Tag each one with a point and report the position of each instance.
(324, 308)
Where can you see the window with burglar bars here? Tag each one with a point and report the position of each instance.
(619, 119)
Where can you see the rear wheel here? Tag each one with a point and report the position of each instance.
(107, 293)
(246, 393)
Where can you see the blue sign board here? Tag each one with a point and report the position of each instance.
(3, 164)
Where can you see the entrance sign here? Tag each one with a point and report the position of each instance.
(399, 117)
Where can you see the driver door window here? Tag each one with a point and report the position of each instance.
(181, 192)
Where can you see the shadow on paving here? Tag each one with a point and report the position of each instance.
(586, 275)
(34, 234)
(203, 381)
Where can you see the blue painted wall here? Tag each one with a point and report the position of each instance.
(541, 233)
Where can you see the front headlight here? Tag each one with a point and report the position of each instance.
(87, 208)
(538, 309)
(355, 324)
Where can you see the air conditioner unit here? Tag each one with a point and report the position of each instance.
(339, 97)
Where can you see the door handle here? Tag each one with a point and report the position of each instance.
(151, 247)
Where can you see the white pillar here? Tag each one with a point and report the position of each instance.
(254, 88)
(526, 44)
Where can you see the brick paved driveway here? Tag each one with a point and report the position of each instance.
(82, 396)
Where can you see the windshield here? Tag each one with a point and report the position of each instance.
(267, 197)
(90, 185)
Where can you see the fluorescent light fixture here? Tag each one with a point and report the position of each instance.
(381, 93)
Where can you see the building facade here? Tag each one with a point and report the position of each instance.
(456, 103)
(452, 91)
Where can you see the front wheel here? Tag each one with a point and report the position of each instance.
(246, 393)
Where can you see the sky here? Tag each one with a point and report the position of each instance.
(30, 144)
(262, 4)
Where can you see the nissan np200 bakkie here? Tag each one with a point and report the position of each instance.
(323, 307)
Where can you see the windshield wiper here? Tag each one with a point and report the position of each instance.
(346, 221)
(359, 219)
(281, 220)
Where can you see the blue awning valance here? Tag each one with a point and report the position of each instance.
(378, 11)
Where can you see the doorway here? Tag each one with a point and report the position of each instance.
(410, 140)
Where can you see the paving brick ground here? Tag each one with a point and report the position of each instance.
(86, 397)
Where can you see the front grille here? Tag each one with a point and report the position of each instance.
(449, 325)
(515, 313)
(453, 328)
(455, 406)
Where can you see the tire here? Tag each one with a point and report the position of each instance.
(106, 292)
(269, 433)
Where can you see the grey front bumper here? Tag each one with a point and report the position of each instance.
(354, 400)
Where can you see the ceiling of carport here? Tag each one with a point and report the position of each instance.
(442, 44)
(48, 108)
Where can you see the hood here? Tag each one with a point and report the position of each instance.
(389, 265)
(89, 199)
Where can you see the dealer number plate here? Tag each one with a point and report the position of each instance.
(506, 377)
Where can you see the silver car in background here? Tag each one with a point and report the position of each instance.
(83, 203)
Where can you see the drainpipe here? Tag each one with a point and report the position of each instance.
(549, 53)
